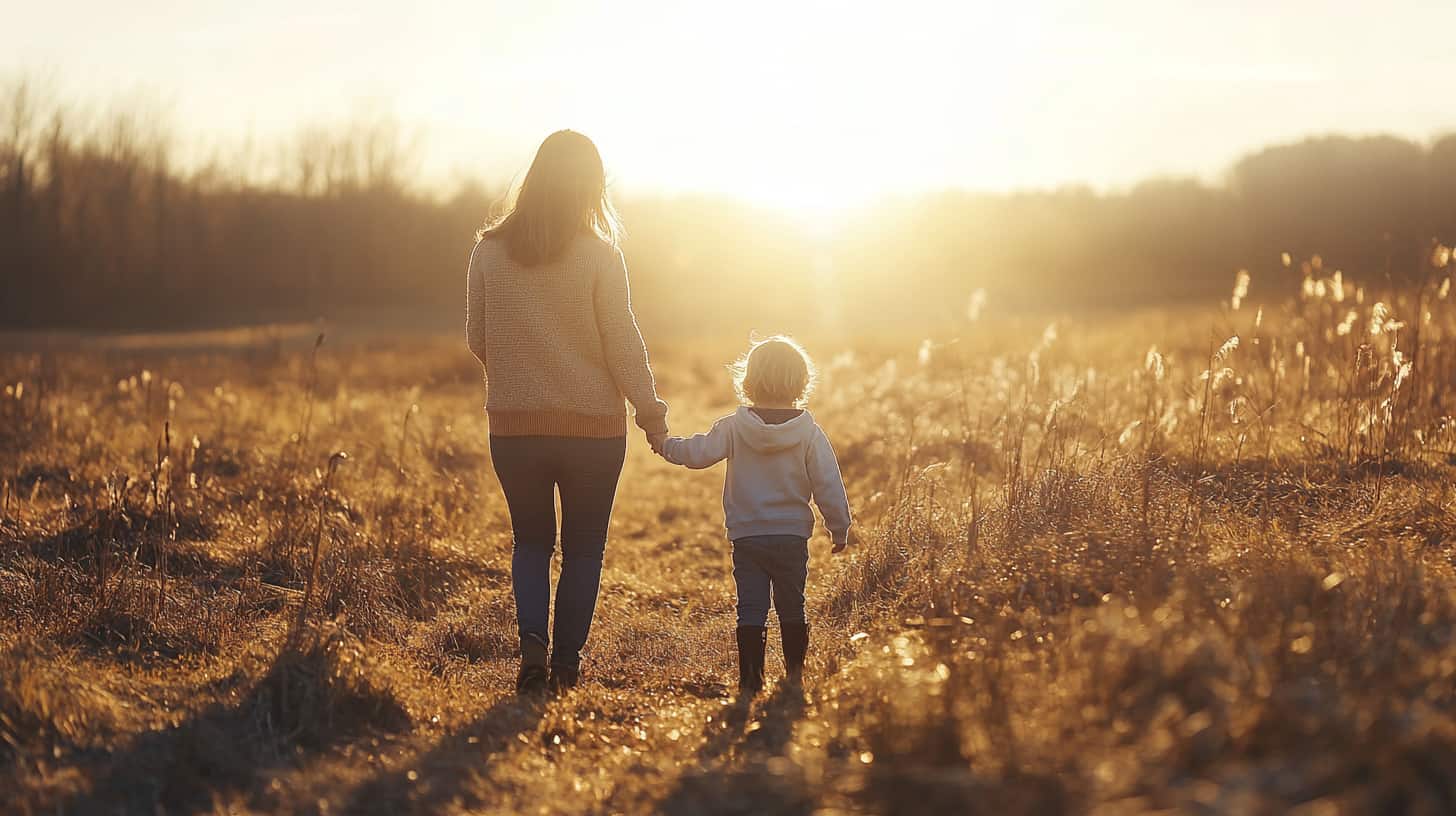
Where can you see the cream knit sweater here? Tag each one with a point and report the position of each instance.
(559, 343)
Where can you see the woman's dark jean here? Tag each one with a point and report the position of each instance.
(531, 470)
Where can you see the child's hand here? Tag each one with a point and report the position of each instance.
(655, 440)
(852, 537)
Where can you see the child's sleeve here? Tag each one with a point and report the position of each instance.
(700, 450)
(828, 486)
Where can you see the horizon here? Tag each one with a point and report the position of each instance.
(1042, 105)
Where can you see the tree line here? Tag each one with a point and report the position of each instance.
(101, 227)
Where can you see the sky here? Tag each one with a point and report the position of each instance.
(808, 105)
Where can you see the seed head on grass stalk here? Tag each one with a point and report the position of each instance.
(1215, 359)
(1241, 289)
(335, 460)
(308, 394)
(404, 436)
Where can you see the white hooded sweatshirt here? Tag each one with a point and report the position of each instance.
(774, 470)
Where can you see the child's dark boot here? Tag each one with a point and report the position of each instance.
(751, 643)
(796, 645)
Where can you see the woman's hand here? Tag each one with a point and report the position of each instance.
(655, 440)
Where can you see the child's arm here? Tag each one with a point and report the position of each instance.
(700, 450)
(829, 493)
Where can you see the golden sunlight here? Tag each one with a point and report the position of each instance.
(777, 406)
(800, 107)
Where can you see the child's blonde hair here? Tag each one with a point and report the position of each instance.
(775, 370)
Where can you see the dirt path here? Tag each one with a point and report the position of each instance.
(656, 725)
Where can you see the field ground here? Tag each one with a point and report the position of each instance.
(1111, 567)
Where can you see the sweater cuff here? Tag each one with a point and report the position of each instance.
(652, 423)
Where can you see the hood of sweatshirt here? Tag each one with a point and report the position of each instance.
(764, 437)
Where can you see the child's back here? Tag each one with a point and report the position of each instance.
(779, 460)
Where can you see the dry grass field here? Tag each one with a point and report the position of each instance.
(1196, 561)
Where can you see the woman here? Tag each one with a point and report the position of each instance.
(549, 316)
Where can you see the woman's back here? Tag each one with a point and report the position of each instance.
(548, 313)
(559, 342)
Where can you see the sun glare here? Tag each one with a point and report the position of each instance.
(805, 109)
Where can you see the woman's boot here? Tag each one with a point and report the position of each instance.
(751, 643)
(532, 678)
(795, 637)
(563, 678)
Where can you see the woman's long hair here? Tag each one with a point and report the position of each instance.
(564, 194)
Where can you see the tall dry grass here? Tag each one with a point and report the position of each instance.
(1189, 560)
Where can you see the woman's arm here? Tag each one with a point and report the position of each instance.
(475, 309)
(700, 450)
(622, 344)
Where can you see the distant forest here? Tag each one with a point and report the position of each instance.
(100, 228)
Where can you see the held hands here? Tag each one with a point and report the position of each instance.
(851, 537)
(655, 440)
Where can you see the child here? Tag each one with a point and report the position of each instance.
(778, 459)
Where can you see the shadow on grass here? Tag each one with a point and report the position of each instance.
(770, 732)
(740, 766)
(119, 536)
(318, 693)
(444, 774)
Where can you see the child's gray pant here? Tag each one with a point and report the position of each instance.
(770, 567)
